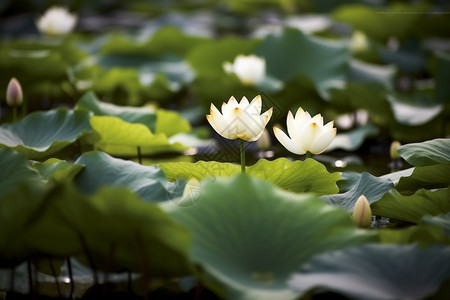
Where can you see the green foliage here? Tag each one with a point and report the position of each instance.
(41, 134)
(300, 176)
(363, 266)
(233, 219)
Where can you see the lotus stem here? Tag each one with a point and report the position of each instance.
(307, 155)
(14, 113)
(139, 155)
(242, 156)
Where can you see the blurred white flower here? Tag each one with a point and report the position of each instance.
(362, 214)
(240, 120)
(359, 41)
(14, 95)
(306, 133)
(249, 69)
(56, 21)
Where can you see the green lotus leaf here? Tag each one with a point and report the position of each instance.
(112, 228)
(118, 137)
(146, 116)
(19, 208)
(374, 272)
(41, 134)
(426, 153)
(442, 220)
(416, 111)
(57, 169)
(298, 176)
(380, 23)
(249, 236)
(364, 72)
(412, 208)
(353, 139)
(15, 170)
(148, 182)
(423, 234)
(374, 188)
(429, 177)
(171, 123)
(322, 61)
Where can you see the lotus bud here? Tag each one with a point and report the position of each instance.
(362, 214)
(14, 95)
(393, 150)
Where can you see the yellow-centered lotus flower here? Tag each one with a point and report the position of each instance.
(362, 214)
(56, 21)
(306, 133)
(240, 120)
(249, 69)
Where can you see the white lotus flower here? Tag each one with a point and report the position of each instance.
(56, 21)
(249, 69)
(240, 120)
(306, 133)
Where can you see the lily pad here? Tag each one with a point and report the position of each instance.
(56, 169)
(353, 139)
(322, 61)
(368, 185)
(235, 218)
(14, 169)
(121, 138)
(412, 208)
(148, 182)
(146, 116)
(429, 177)
(41, 134)
(426, 153)
(298, 176)
(413, 114)
(442, 220)
(373, 272)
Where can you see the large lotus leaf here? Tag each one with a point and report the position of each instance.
(353, 139)
(324, 62)
(364, 72)
(146, 116)
(368, 185)
(414, 111)
(100, 169)
(18, 210)
(382, 272)
(113, 228)
(412, 208)
(250, 236)
(442, 220)
(379, 23)
(171, 123)
(298, 176)
(14, 169)
(423, 234)
(207, 60)
(118, 137)
(429, 177)
(426, 153)
(56, 169)
(168, 39)
(41, 134)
